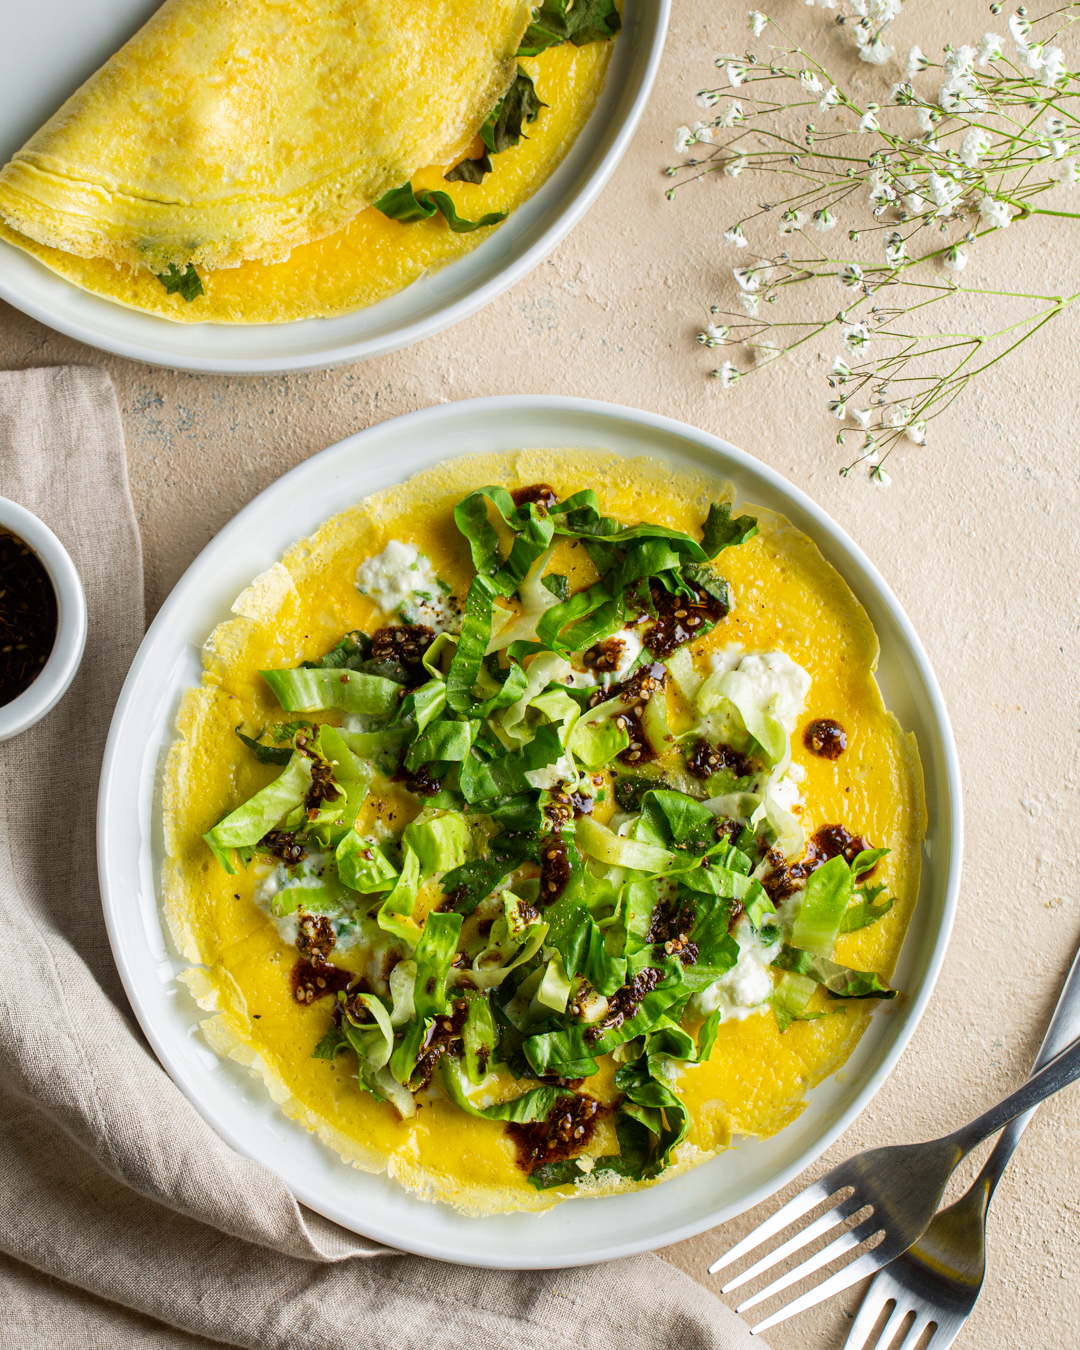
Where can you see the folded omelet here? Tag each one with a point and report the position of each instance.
(415, 998)
(235, 149)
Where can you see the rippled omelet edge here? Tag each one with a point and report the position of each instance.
(786, 596)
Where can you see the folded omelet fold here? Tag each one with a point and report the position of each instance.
(236, 130)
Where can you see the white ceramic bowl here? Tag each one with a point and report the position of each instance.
(52, 37)
(59, 670)
(130, 833)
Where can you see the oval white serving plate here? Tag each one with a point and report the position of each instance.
(53, 37)
(130, 834)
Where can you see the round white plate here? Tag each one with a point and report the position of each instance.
(61, 42)
(130, 835)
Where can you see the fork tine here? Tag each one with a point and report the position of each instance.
(844, 1243)
(787, 1214)
(948, 1327)
(915, 1331)
(867, 1264)
(892, 1326)
(866, 1319)
(837, 1214)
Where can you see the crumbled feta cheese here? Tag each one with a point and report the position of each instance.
(781, 684)
(401, 581)
(280, 878)
(727, 658)
(288, 928)
(578, 679)
(785, 792)
(630, 649)
(551, 775)
(748, 984)
(308, 875)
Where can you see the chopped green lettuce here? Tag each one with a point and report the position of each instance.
(405, 205)
(247, 825)
(840, 981)
(184, 282)
(790, 997)
(865, 910)
(440, 843)
(576, 21)
(596, 743)
(266, 754)
(821, 907)
(363, 866)
(309, 690)
(524, 1110)
(737, 690)
(602, 844)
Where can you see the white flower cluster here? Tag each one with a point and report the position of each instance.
(991, 130)
(1046, 62)
(685, 137)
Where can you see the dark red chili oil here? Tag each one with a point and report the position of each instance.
(555, 867)
(28, 616)
(827, 843)
(635, 691)
(704, 760)
(825, 738)
(679, 620)
(540, 493)
(566, 1130)
(311, 980)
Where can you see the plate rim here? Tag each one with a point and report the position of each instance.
(521, 406)
(567, 214)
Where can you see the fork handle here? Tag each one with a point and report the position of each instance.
(1064, 1028)
(1059, 1073)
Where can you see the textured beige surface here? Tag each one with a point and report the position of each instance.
(979, 536)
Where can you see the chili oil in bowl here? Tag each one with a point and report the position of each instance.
(42, 619)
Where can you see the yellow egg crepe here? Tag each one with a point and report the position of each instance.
(555, 921)
(237, 148)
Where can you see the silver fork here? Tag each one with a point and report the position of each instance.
(940, 1276)
(902, 1185)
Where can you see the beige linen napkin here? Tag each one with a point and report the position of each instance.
(125, 1220)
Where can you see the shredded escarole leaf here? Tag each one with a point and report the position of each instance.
(572, 880)
(576, 21)
(555, 22)
(504, 127)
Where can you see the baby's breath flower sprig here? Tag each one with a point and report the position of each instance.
(957, 149)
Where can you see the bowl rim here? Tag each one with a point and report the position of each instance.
(40, 697)
(416, 427)
(565, 213)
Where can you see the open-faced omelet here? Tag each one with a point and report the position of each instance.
(531, 838)
(256, 161)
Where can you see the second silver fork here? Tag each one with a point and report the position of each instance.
(940, 1277)
(901, 1185)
